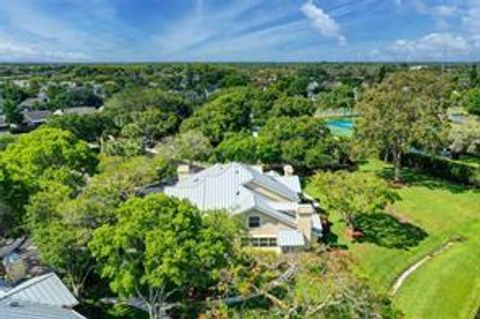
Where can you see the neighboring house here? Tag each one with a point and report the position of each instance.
(21, 83)
(35, 118)
(81, 110)
(269, 204)
(33, 102)
(41, 297)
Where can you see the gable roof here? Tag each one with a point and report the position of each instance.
(229, 186)
(46, 290)
(36, 116)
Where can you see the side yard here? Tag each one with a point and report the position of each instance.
(430, 213)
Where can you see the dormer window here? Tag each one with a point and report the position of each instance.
(253, 221)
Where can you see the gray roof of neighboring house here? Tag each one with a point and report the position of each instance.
(19, 309)
(47, 289)
(229, 186)
(290, 238)
(32, 101)
(36, 116)
(81, 110)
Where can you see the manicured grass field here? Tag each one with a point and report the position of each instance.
(429, 214)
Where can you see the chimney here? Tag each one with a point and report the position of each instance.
(288, 170)
(304, 221)
(183, 171)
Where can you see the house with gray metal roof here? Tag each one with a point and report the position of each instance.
(269, 203)
(38, 298)
(35, 118)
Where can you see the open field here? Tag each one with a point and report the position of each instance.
(430, 213)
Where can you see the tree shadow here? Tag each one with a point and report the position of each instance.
(413, 178)
(387, 231)
(330, 238)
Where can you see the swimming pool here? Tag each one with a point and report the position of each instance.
(341, 126)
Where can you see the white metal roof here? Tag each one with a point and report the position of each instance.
(292, 182)
(223, 186)
(46, 290)
(290, 238)
(19, 309)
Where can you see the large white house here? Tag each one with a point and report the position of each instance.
(269, 203)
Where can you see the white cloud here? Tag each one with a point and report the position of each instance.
(432, 46)
(323, 22)
(444, 10)
(471, 19)
(13, 50)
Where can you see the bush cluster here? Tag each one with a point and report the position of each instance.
(444, 168)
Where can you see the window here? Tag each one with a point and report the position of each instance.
(260, 241)
(253, 221)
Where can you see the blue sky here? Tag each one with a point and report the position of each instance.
(239, 30)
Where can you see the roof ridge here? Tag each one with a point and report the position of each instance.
(204, 178)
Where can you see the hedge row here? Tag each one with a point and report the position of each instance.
(444, 168)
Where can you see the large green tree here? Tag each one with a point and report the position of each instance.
(293, 107)
(12, 96)
(471, 101)
(62, 222)
(351, 194)
(304, 142)
(89, 128)
(228, 112)
(147, 114)
(239, 147)
(160, 249)
(35, 160)
(404, 111)
(190, 145)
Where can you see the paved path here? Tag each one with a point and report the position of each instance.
(410, 270)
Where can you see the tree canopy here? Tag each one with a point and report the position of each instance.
(158, 249)
(228, 112)
(406, 110)
(36, 160)
(471, 101)
(303, 142)
(351, 194)
(62, 222)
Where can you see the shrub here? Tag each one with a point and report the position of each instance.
(444, 168)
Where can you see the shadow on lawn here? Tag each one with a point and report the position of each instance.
(413, 178)
(387, 231)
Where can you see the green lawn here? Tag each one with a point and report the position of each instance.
(428, 215)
